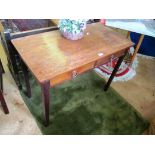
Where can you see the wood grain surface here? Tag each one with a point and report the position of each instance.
(51, 57)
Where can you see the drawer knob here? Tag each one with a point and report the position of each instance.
(74, 74)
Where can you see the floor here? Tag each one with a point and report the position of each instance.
(139, 92)
(19, 120)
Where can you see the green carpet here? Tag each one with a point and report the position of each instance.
(82, 107)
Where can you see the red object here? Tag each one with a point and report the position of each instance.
(108, 68)
(103, 21)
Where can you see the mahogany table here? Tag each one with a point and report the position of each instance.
(53, 59)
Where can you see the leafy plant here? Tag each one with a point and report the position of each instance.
(72, 26)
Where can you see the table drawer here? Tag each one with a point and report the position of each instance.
(107, 59)
(101, 62)
(71, 74)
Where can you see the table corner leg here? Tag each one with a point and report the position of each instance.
(26, 77)
(3, 103)
(45, 88)
(115, 71)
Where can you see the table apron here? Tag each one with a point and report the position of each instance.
(75, 72)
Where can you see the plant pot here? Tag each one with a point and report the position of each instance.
(72, 36)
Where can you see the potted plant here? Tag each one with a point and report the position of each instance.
(72, 29)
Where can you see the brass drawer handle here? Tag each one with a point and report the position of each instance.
(74, 74)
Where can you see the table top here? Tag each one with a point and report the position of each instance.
(142, 26)
(49, 54)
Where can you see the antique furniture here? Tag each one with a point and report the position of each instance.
(143, 27)
(53, 59)
(2, 100)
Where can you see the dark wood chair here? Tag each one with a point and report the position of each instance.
(2, 100)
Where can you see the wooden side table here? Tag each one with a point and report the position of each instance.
(53, 59)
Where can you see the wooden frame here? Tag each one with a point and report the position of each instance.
(32, 32)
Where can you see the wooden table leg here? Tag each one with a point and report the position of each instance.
(45, 87)
(1, 74)
(137, 47)
(2, 100)
(114, 71)
(1, 82)
(26, 77)
(3, 103)
(128, 34)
